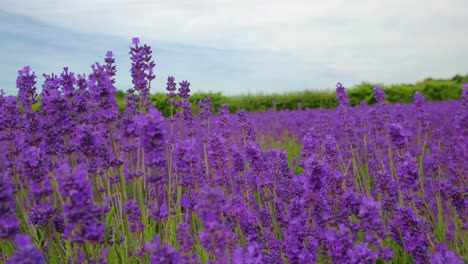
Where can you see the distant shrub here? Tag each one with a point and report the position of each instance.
(432, 89)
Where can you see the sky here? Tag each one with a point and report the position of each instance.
(242, 46)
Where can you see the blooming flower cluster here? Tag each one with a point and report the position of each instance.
(81, 182)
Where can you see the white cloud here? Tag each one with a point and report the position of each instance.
(276, 25)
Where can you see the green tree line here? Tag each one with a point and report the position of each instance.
(432, 89)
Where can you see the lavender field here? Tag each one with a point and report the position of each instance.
(81, 182)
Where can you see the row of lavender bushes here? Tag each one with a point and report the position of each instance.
(82, 183)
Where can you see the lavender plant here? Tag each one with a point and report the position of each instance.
(82, 182)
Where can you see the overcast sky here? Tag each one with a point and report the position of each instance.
(241, 46)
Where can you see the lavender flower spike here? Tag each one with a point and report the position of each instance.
(27, 252)
(26, 82)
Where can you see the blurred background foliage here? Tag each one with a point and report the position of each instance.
(432, 89)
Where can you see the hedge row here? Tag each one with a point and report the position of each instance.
(433, 90)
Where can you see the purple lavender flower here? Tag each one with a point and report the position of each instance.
(35, 170)
(218, 160)
(152, 140)
(422, 114)
(81, 82)
(461, 124)
(188, 117)
(83, 218)
(361, 254)
(342, 95)
(223, 121)
(369, 212)
(9, 223)
(187, 160)
(464, 95)
(379, 94)
(216, 241)
(51, 86)
(339, 244)
(251, 254)
(9, 226)
(161, 253)
(159, 212)
(184, 238)
(102, 91)
(58, 119)
(26, 82)
(386, 186)
(205, 112)
(351, 203)
(257, 161)
(418, 98)
(311, 145)
(297, 242)
(316, 174)
(410, 232)
(41, 214)
(110, 67)
(371, 223)
(408, 173)
(133, 211)
(26, 253)
(90, 147)
(331, 151)
(171, 88)
(398, 136)
(210, 203)
(67, 80)
(443, 255)
(248, 131)
(141, 71)
(59, 224)
(215, 236)
(184, 90)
